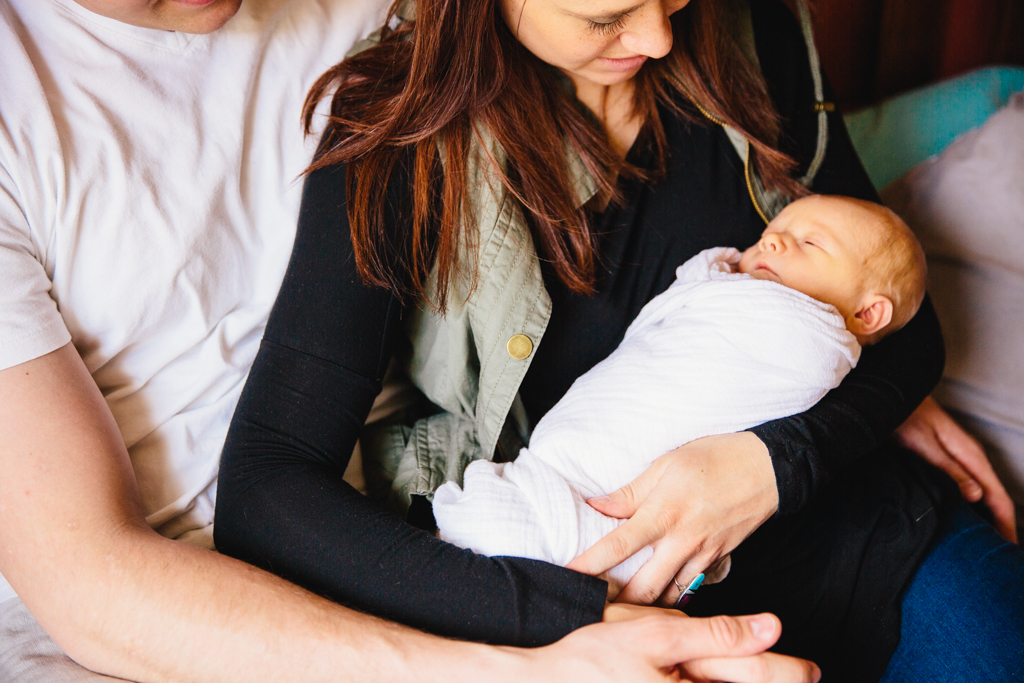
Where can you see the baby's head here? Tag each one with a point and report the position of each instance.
(856, 255)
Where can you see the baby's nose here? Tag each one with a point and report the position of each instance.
(771, 242)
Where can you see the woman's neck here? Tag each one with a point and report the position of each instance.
(613, 107)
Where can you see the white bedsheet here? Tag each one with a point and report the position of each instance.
(718, 352)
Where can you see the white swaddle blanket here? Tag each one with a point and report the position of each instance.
(718, 352)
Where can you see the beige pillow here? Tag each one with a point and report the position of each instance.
(967, 208)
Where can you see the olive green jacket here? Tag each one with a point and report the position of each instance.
(470, 362)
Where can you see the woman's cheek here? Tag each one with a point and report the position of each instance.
(563, 43)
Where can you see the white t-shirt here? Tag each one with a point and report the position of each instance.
(149, 189)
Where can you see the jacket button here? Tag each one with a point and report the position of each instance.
(519, 346)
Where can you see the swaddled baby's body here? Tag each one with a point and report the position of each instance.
(718, 352)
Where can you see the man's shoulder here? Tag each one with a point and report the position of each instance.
(27, 129)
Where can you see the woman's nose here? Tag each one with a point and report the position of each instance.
(650, 32)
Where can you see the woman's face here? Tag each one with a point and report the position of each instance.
(603, 42)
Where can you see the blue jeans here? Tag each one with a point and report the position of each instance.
(963, 612)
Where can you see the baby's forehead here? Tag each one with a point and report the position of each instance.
(837, 208)
(853, 222)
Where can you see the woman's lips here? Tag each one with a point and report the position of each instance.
(626, 64)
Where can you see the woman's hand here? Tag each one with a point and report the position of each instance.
(935, 436)
(664, 645)
(694, 505)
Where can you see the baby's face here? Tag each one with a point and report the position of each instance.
(814, 246)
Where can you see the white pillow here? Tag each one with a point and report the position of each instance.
(967, 208)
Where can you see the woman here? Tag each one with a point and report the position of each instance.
(497, 174)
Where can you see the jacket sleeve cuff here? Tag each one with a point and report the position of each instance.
(593, 595)
(559, 601)
(792, 459)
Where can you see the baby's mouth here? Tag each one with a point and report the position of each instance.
(761, 265)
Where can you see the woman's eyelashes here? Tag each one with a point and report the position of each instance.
(608, 27)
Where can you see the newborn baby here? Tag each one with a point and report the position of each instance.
(736, 341)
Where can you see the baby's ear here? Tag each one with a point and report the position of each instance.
(874, 314)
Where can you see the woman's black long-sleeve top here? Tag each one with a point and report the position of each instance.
(282, 503)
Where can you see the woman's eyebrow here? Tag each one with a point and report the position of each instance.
(608, 17)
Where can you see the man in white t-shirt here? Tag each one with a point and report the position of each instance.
(149, 156)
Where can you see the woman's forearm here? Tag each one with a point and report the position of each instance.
(282, 505)
(281, 500)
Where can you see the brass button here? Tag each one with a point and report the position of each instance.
(519, 346)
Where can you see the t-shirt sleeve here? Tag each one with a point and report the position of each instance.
(893, 376)
(30, 324)
(282, 503)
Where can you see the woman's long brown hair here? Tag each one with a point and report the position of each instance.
(435, 82)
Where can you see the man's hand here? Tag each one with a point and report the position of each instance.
(935, 436)
(694, 505)
(657, 645)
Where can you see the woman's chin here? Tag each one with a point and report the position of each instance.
(603, 78)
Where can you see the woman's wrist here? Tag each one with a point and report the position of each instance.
(751, 456)
(760, 461)
(790, 462)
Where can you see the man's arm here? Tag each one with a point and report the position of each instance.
(120, 599)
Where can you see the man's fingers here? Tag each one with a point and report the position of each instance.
(1006, 523)
(970, 454)
(970, 489)
(965, 449)
(1004, 514)
(764, 668)
(619, 545)
(688, 639)
(929, 445)
(934, 435)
